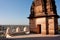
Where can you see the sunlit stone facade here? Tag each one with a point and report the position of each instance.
(43, 18)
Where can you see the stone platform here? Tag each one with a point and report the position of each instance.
(33, 37)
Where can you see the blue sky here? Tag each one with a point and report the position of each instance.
(15, 12)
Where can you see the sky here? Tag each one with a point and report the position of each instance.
(15, 12)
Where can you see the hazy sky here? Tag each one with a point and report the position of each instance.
(17, 11)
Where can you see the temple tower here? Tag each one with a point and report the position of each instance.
(43, 18)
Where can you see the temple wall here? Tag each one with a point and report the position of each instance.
(51, 27)
(32, 24)
(42, 22)
(56, 25)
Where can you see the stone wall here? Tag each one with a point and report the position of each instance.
(42, 22)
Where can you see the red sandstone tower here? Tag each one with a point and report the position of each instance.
(43, 18)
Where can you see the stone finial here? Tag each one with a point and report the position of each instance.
(8, 32)
(26, 30)
(18, 29)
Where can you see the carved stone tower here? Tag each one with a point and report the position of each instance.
(43, 18)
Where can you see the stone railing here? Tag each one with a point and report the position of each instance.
(11, 32)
